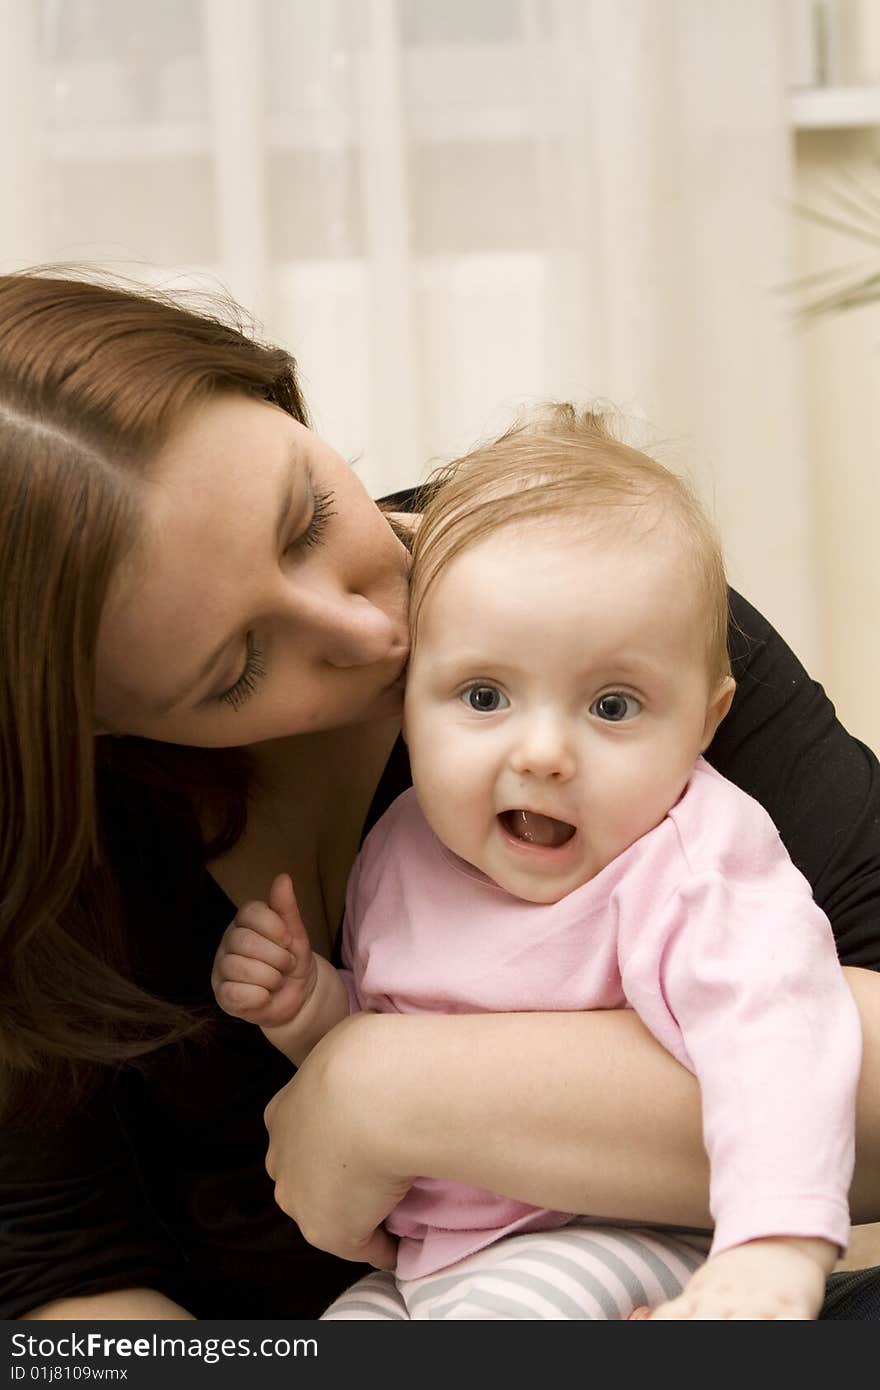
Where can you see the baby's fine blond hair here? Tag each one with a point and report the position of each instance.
(565, 465)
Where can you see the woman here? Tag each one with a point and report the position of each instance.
(203, 642)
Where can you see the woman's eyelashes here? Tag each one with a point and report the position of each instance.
(253, 673)
(254, 663)
(322, 510)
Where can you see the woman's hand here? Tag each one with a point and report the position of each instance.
(324, 1150)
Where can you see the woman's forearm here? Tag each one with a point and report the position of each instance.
(579, 1112)
(137, 1305)
(864, 1194)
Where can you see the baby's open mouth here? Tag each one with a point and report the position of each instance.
(536, 829)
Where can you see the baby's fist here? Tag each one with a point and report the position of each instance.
(264, 969)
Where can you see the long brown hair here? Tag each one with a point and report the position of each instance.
(93, 377)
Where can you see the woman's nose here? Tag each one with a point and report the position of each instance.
(544, 751)
(353, 631)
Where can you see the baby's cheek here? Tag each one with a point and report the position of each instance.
(451, 799)
(442, 788)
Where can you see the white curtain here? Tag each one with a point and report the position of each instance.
(447, 208)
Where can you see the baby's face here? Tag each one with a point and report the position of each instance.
(557, 699)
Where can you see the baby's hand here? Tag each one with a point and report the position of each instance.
(264, 969)
(778, 1278)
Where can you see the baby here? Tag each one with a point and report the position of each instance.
(565, 847)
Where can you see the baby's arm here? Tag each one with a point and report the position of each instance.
(780, 1278)
(750, 979)
(265, 972)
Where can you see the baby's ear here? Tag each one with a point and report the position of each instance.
(717, 708)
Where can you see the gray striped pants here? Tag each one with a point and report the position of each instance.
(581, 1271)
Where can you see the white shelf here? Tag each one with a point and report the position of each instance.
(834, 108)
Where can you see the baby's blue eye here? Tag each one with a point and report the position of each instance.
(485, 699)
(615, 707)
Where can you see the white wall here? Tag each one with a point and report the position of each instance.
(841, 356)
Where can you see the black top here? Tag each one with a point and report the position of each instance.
(159, 1182)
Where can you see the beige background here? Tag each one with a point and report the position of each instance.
(842, 404)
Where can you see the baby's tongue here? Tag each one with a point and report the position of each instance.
(537, 829)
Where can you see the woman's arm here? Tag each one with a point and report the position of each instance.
(864, 1194)
(139, 1305)
(578, 1112)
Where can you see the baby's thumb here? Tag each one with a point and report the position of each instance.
(282, 901)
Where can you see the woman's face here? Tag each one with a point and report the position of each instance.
(267, 595)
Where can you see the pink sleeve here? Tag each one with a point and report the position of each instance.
(738, 976)
(365, 883)
(775, 1039)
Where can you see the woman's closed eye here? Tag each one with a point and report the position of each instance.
(322, 510)
(247, 682)
(255, 663)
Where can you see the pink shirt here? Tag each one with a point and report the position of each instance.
(705, 928)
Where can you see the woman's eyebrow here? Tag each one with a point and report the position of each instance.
(195, 680)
